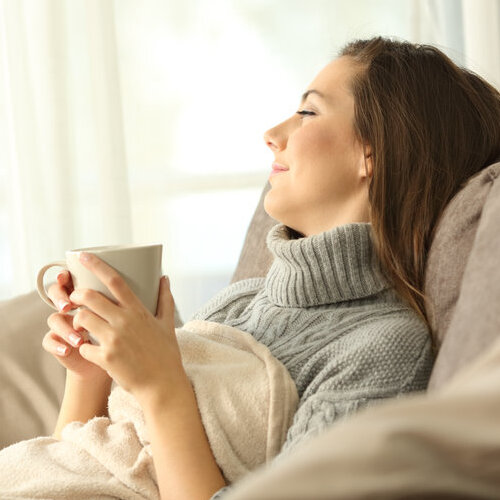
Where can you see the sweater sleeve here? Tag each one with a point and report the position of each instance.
(390, 358)
(230, 302)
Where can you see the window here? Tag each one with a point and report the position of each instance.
(199, 83)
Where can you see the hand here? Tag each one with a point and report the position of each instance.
(62, 340)
(59, 292)
(138, 350)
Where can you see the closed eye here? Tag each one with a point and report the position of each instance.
(304, 113)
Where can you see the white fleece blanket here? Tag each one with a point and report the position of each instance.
(246, 398)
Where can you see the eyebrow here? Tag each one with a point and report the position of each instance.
(312, 91)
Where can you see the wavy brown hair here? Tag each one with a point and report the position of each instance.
(431, 125)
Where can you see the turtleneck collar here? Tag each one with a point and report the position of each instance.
(334, 266)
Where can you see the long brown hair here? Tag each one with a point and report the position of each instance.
(431, 125)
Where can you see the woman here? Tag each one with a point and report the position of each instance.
(385, 135)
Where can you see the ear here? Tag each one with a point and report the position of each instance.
(367, 162)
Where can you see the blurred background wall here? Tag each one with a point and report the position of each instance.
(141, 121)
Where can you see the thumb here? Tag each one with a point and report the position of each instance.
(166, 305)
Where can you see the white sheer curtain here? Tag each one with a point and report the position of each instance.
(141, 121)
(64, 177)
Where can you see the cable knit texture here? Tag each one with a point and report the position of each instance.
(326, 311)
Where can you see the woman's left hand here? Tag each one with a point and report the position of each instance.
(138, 350)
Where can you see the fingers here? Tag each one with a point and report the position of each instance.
(64, 279)
(58, 294)
(61, 326)
(93, 354)
(166, 305)
(112, 279)
(88, 320)
(53, 344)
(96, 301)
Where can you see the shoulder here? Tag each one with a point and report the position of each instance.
(231, 300)
(399, 330)
(392, 350)
(404, 344)
(395, 344)
(388, 326)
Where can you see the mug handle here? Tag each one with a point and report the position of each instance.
(39, 281)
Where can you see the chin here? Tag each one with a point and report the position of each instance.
(279, 216)
(268, 208)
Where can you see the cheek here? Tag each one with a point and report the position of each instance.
(315, 148)
(310, 138)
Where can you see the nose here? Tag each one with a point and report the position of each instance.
(276, 138)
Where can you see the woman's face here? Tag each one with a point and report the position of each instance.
(325, 183)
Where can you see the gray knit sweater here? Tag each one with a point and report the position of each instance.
(328, 314)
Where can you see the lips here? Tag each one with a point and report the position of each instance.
(277, 168)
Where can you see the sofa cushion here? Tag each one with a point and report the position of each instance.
(255, 258)
(463, 274)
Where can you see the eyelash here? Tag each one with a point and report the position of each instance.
(305, 113)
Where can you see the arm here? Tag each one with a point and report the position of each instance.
(140, 352)
(87, 386)
(183, 460)
(230, 302)
(83, 400)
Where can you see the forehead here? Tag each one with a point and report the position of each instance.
(335, 78)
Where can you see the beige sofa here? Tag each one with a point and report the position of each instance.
(462, 283)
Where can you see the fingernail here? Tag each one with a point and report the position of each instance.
(84, 256)
(75, 339)
(62, 304)
(61, 349)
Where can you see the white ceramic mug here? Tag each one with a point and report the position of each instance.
(139, 265)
